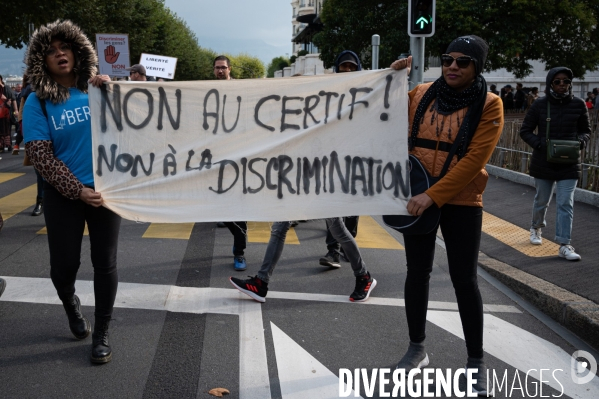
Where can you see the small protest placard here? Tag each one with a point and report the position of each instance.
(159, 66)
(113, 53)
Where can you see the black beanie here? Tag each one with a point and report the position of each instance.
(473, 46)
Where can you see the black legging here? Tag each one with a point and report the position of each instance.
(461, 227)
(65, 221)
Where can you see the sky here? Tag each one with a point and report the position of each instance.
(261, 28)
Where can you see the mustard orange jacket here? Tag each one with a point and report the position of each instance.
(465, 180)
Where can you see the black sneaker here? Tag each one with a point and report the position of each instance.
(364, 286)
(331, 259)
(254, 287)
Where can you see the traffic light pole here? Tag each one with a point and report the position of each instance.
(417, 50)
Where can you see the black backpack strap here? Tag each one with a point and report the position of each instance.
(43, 105)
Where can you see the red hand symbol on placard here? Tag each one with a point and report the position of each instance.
(110, 56)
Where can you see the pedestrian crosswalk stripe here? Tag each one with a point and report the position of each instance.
(178, 231)
(45, 231)
(517, 237)
(18, 201)
(259, 232)
(372, 235)
(9, 176)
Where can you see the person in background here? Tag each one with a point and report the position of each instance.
(589, 103)
(519, 97)
(137, 73)
(456, 107)
(61, 64)
(569, 120)
(39, 200)
(8, 107)
(508, 98)
(346, 61)
(590, 100)
(222, 71)
(532, 97)
(493, 89)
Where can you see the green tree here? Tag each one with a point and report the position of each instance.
(277, 64)
(245, 66)
(152, 28)
(561, 32)
(350, 24)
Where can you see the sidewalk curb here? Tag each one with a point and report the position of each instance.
(578, 314)
(580, 195)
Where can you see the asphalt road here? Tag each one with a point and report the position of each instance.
(179, 329)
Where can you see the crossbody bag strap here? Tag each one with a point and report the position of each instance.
(548, 120)
(452, 152)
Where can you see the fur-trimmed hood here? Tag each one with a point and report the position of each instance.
(86, 60)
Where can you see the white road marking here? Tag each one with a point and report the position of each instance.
(300, 374)
(522, 350)
(254, 382)
(253, 363)
(300, 296)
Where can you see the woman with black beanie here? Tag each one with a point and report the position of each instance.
(456, 107)
(567, 118)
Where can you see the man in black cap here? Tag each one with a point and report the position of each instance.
(137, 73)
(347, 61)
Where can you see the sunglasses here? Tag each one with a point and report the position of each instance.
(463, 61)
(63, 47)
(558, 82)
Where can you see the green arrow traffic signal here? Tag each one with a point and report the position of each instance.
(422, 21)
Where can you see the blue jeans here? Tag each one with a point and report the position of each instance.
(564, 198)
(337, 228)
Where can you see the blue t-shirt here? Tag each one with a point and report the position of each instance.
(68, 127)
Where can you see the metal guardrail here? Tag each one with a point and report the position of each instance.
(513, 153)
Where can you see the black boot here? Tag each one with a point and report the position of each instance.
(101, 352)
(80, 326)
(39, 207)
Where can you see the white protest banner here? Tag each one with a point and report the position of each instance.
(159, 66)
(257, 150)
(113, 53)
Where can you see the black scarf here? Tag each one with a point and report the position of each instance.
(449, 101)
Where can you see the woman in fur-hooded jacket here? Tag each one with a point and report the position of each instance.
(61, 63)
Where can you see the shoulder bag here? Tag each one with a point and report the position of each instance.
(561, 151)
(420, 181)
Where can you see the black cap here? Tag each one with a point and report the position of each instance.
(347, 58)
(138, 68)
(473, 46)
